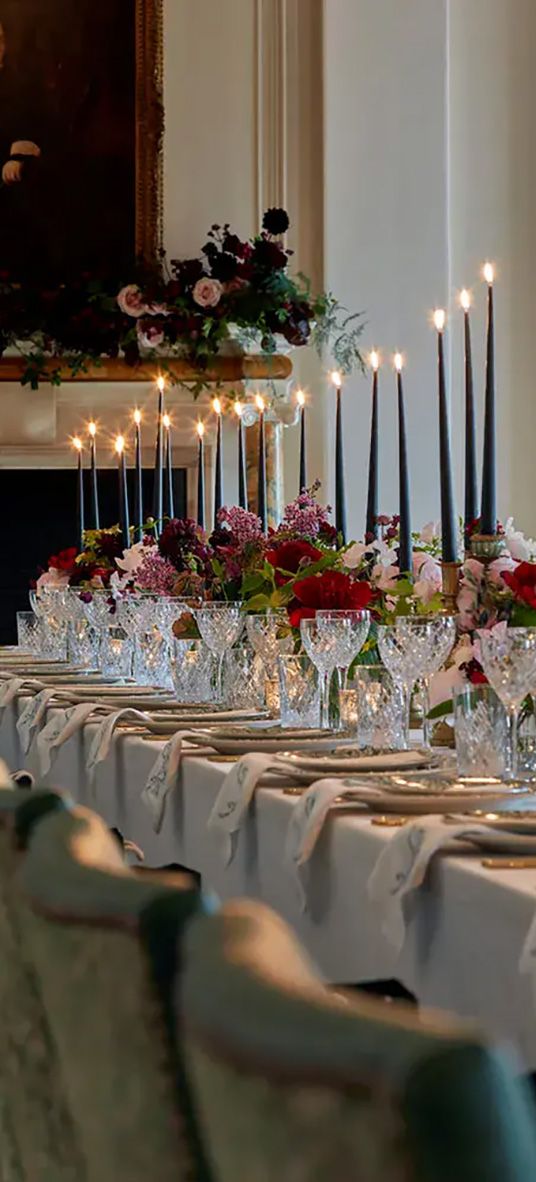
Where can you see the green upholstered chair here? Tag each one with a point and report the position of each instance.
(296, 1084)
(105, 945)
(37, 1138)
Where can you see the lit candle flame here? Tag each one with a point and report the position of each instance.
(439, 319)
(465, 299)
(137, 417)
(300, 397)
(336, 379)
(216, 406)
(375, 360)
(488, 272)
(238, 408)
(161, 384)
(166, 421)
(119, 444)
(92, 428)
(399, 362)
(77, 443)
(259, 402)
(200, 428)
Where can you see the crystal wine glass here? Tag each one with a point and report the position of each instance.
(508, 657)
(433, 637)
(270, 636)
(320, 646)
(405, 659)
(349, 628)
(220, 625)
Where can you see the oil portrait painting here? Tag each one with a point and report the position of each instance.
(80, 135)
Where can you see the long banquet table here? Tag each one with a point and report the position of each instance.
(467, 925)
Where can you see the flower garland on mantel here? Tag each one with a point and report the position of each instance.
(236, 291)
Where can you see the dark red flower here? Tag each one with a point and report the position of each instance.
(276, 221)
(331, 589)
(65, 560)
(289, 557)
(522, 581)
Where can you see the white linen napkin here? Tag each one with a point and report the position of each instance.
(10, 689)
(235, 796)
(31, 716)
(161, 779)
(306, 824)
(62, 725)
(100, 745)
(402, 866)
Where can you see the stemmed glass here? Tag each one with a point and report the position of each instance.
(433, 637)
(321, 648)
(270, 636)
(349, 628)
(508, 657)
(220, 625)
(406, 660)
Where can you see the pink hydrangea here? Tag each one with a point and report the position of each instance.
(156, 574)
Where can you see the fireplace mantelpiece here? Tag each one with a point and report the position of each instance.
(235, 368)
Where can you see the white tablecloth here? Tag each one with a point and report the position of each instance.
(467, 926)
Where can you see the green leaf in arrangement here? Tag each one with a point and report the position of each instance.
(441, 710)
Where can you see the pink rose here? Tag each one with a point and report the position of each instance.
(207, 292)
(150, 336)
(130, 301)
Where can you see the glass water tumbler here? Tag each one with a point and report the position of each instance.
(480, 732)
(194, 672)
(299, 691)
(29, 633)
(116, 652)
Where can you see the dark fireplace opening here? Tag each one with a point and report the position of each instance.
(39, 518)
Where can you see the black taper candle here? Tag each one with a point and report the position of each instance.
(449, 532)
(340, 497)
(405, 550)
(201, 477)
(303, 443)
(261, 485)
(138, 482)
(371, 524)
(471, 482)
(169, 497)
(242, 473)
(80, 514)
(158, 488)
(488, 518)
(124, 515)
(218, 467)
(94, 476)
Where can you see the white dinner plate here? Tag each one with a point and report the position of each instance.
(355, 761)
(267, 739)
(421, 802)
(520, 822)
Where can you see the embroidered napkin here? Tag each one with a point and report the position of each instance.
(162, 778)
(527, 963)
(101, 743)
(10, 689)
(62, 725)
(306, 824)
(402, 866)
(235, 797)
(31, 717)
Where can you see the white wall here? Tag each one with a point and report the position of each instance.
(492, 48)
(386, 222)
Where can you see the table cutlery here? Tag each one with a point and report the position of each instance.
(520, 863)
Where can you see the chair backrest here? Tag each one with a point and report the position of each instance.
(105, 944)
(37, 1137)
(296, 1083)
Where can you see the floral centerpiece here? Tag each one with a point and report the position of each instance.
(235, 290)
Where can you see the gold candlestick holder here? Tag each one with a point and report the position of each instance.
(486, 547)
(450, 586)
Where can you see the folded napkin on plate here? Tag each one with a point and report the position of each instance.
(31, 717)
(60, 728)
(235, 797)
(307, 822)
(402, 865)
(100, 745)
(11, 689)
